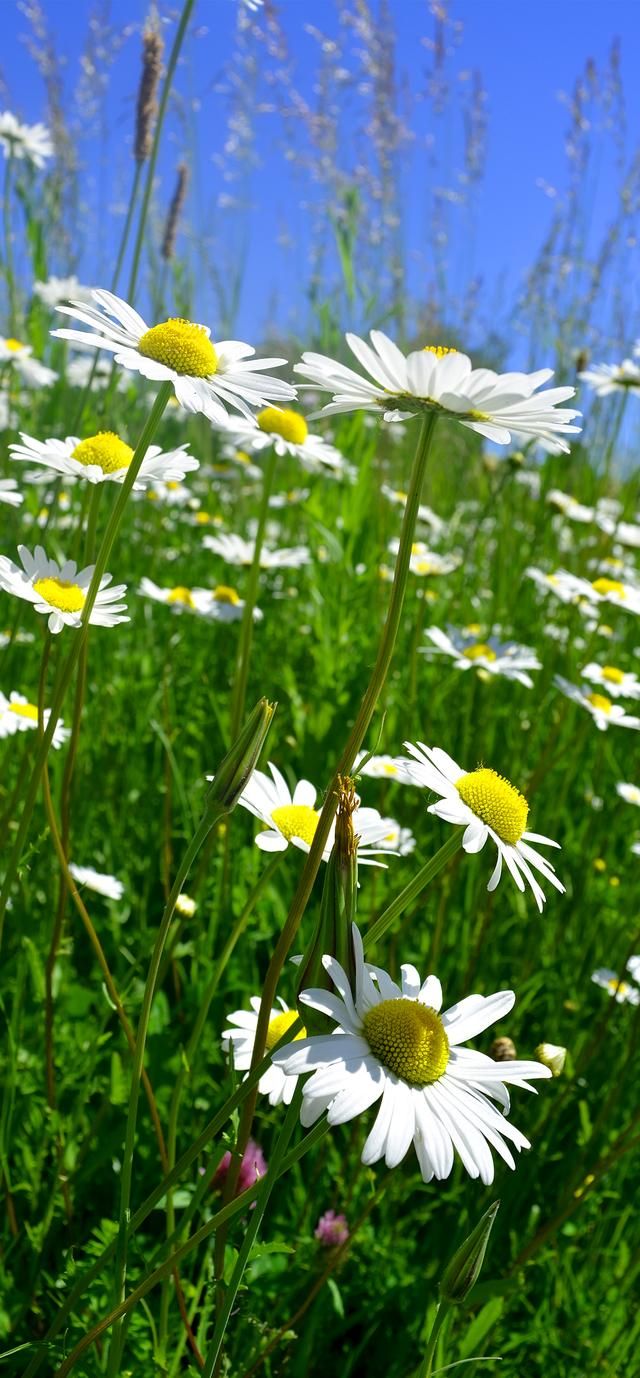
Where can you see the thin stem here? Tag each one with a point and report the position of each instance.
(415, 887)
(8, 247)
(426, 1367)
(246, 630)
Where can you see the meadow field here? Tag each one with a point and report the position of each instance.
(319, 714)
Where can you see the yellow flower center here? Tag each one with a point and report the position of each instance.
(182, 346)
(618, 987)
(278, 1027)
(424, 567)
(285, 423)
(473, 629)
(182, 596)
(60, 594)
(14, 345)
(439, 350)
(609, 586)
(25, 710)
(106, 450)
(389, 768)
(600, 701)
(224, 594)
(614, 676)
(409, 1039)
(480, 652)
(296, 820)
(496, 802)
(202, 518)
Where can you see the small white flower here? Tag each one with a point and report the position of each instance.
(604, 713)
(60, 591)
(220, 605)
(56, 290)
(293, 817)
(382, 768)
(101, 883)
(287, 433)
(32, 373)
(32, 142)
(607, 378)
(425, 514)
(241, 1037)
(553, 1056)
(618, 683)
(17, 714)
(103, 458)
(186, 906)
(396, 838)
(10, 493)
(492, 656)
(236, 551)
(619, 989)
(487, 806)
(392, 1044)
(205, 378)
(630, 793)
(569, 507)
(633, 967)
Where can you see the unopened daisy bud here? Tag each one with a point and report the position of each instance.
(338, 905)
(173, 217)
(185, 906)
(234, 773)
(516, 459)
(463, 1271)
(551, 1055)
(503, 1050)
(147, 105)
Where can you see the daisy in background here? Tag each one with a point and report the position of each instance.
(486, 806)
(287, 433)
(620, 990)
(608, 378)
(103, 458)
(17, 714)
(630, 793)
(98, 881)
(86, 367)
(56, 290)
(396, 839)
(31, 142)
(604, 713)
(222, 604)
(569, 588)
(10, 493)
(60, 591)
(558, 584)
(425, 514)
(236, 551)
(493, 657)
(569, 507)
(618, 683)
(293, 818)
(381, 768)
(633, 966)
(392, 1044)
(437, 379)
(206, 377)
(241, 1036)
(32, 373)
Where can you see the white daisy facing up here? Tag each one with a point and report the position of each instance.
(241, 1036)
(392, 1044)
(293, 818)
(237, 551)
(493, 657)
(31, 142)
(486, 806)
(17, 715)
(60, 591)
(206, 377)
(630, 793)
(99, 881)
(285, 431)
(440, 380)
(620, 990)
(10, 493)
(618, 683)
(103, 457)
(605, 714)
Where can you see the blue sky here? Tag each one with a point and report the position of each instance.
(526, 52)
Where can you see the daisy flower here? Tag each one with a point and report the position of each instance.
(604, 713)
(607, 378)
(17, 714)
(621, 991)
(561, 583)
(98, 881)
(381, 768)
(633, 966)
(424, 562)
(241, 1036)
(60, 591)
(493, 657)
(618, 683)
(56, 290)
(205, 378)
(630, 793)
(569, 507)
(486, 806)
(238, 552)
(221, 604)
(425, 514)
(31, 142)
(396, 839)
(103, 458)
(392, 1044)
(10, 493)
(32, 372)
(287, 432)
(440, 380)
(293, 817)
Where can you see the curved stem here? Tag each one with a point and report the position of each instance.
(415, 887)
(426, 1367)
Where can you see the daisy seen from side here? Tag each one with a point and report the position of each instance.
(605, 714)
(103, 458)
(60, 591)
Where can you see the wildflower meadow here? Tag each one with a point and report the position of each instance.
(319, 704)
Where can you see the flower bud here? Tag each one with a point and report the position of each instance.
(235, 771)
(553, 1056)
(503, 1050)
(463, 1271)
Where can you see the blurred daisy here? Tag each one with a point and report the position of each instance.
(618, 683)
(606, 590)
(103, 458)
(205, 378)
(630, 793)
(492, 656)
(440, 380)
(396, 839)
(20, 356)
(31, 142)
(10, 493)
(287, 432)
(60, 591)
(186, 906)
(241, 1037)
(56, 290)
(293, 818)
(425, 514)
(87, 367)
(487, 806)
(607, 378)
(392, 1044)
(621, 991)
(424, 562)
(560, 584)
(98, 881)
(238, 552)
(633, 966)
(221, 604)
(570, 507)
(604, 713)
(18, 715)
(381, 768)
(173, 493)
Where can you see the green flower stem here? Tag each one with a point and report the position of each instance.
(426, 1367)
(354, 742)
(8, 248)
(251, 594)
(78, 640)
(414, 888)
